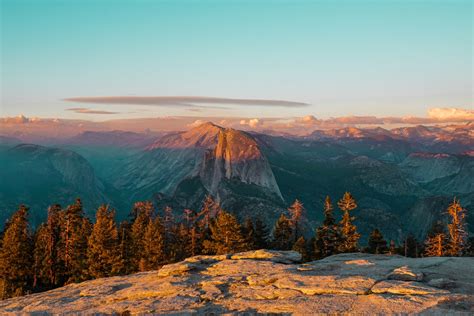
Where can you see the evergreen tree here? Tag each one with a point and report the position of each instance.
(142, 213)
(311, 249)
(181, 248)
(261, 234)
(16, 260)
(126, 247)
(193, 245)
(327, 235)
(173, 246)
(410, 247)
(154, 252)
(47, 239)
(435, 243)
(210, 208)
(349, 234)
(377, 244)
(392, 250)
(282, 234)
(195, 240)
(226, 235)
(296, 211)
(75, 230)
(40, 277)
(457, 229)
(470, 247)
(248, 231)
(300, 246)
(103, 252)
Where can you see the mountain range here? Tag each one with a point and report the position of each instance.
(403, 179)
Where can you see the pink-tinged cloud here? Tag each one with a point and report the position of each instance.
(183, 101)
(90, 111)
(252, 123)
(451, 114)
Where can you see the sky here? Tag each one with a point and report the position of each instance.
(320, 58)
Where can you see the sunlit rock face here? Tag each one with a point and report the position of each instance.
(236, 156)
(266, 281)
(208, 152)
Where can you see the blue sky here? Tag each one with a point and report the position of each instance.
(384, 58)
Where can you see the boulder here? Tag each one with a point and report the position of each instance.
(269, 255)
(405, 273)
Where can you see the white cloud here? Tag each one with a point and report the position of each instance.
(446, 114)
(252, 123)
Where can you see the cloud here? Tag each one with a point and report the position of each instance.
(196, 123)
(90, 111)
(253, 123)
(184, 101)
(308, 120)
(194, 109)
(20, 119)
(451, 114)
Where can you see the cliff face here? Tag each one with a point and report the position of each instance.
(39, 176)
(265, 281)
(209, 152)
(236, 156)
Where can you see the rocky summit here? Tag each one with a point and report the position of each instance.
(265, 281)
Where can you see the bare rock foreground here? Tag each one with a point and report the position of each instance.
(271, 282)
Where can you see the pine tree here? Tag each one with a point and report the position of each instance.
(209, 209)
(311, 249)
(193, 244)
(410, 247)
(40, 277)
(470, 247)
(248, 231)
(226, 235)
(349, 234)
(261, 234)
(296, 211)
(142, 213)
(327, 235)
(377, 244)
(154, 252)
(173, 246)
(47, 239)
(16, 260)
(300, 246)
(282, 234)
(392, 250)
(195, 239)
(103, 251)
(181, 248)
(457, 229)
(126, 247)
(75, 230)
(435, 243)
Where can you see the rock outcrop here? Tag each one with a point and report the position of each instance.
(271, 282)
